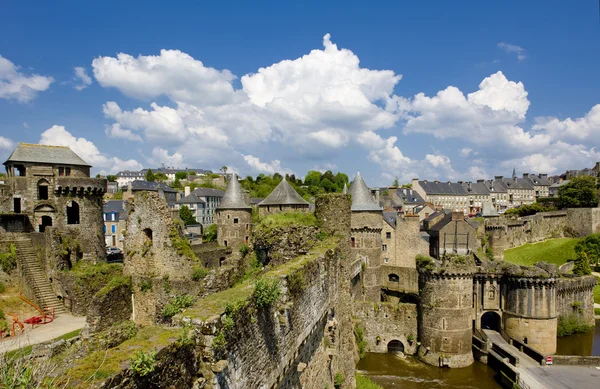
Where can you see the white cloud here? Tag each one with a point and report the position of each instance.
(266, 167)
(161, 156)
(115, 131)
(25, 125)
(16, 85)
(518, 50)
(87, 150)
(437, 160)
(81, 78)
(558, 158)
(466, 151)
(6, 144)
(587, 127)
(172, 73)
(383, 151)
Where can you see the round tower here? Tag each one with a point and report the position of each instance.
(366, 223)
(445, 312)
(234, 217)
(529, 312)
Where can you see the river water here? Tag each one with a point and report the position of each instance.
(580, 344)
(395, 372)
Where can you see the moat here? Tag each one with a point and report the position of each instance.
(587, 344)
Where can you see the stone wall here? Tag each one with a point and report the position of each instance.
(409, 242)
(275, 246)
(211, 255)
(539, 333)
(234, 227)
(583, 221)
(384, 322)
(111, 305)
(576, 296)
(327, 211)
(366, 243)
(265, 210)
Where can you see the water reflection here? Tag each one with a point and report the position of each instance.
(580, 344)
(393, 371)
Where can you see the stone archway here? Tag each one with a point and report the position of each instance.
(395, 346)
(491, 321)
(46, 222)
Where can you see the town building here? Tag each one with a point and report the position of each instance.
(125, 177)
(203, 203)
(520, 191)
(405, 200)
(233, 217)
(452, 234)
(169, 193)
(115, 218)
(541, 185)
(478, 194)
(498, 193)
(283, 198)
(444, 195)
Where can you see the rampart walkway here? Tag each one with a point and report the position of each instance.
(534, 376)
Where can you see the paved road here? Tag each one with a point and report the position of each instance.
(550, 377)
(61, 325)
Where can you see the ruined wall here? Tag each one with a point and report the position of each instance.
(331, 214)
(111, 305)
(265, 210)
(583, 221)
(274, 246)
(409, 243)
(384, 322)
(234, 227)
(576, 296)
(211, 255)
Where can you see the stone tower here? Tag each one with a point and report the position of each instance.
(365, 235)
(445, 313)
(234, 217)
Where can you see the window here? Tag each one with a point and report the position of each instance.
(42, 190)
(61, 171)
(148, 233)
(67, 171)
(388, 235)
(386, 260)
(393, 277)
(384, 247)
(235, 220)
(105, 228)
(114, 228)
(112, 216)
(73, 213)
(352, 242)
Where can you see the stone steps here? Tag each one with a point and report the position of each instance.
(36, 277)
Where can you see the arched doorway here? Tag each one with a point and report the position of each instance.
(73, 213)
(491, 321)
(46, 222)
(395, 346)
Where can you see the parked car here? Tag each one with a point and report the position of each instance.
(113, 250)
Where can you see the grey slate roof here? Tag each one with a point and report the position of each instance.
(496, 186)
(539, 180)
(234, 196)
(190, 199)
(113, 206)
(442, 188)
(409, 196)
(151, 186)
(34, 153)
(518, 183)
(284, 194)
(390, 218)
(476, 188)
(208, 192)
(255, 200)
(362, 200)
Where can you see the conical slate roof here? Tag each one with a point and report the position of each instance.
(345, 190)
(284, 194)
(361, 196)
(234, 196)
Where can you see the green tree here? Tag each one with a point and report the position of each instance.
(149, 176)
(186, 215)
(582, 265)
(210, 235)
(111, 178)
(181, 175)
(590, 245)
(340, 180)
(328, 185)
(328, 175)
(580, 192)
(192, 173)
(406, 186)
(313, 178)
(224, 169)
(160, 177)
(396, 184)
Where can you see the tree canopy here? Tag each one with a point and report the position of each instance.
(181, 175)
(149, 176)
(580, 192)
(186, 215)
(590, 245)
(210, 235)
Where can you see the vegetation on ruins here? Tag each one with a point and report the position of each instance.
(361, 343)
(186, 215)
(244, 250)
(2, 288)
(425, 262)
(94, 277)
(177, 305)
(580, 192)
(8, 260)
(198, 273)
(363, 382)
(210, 235)
(572, 324)
(181, 244)
(286, 219)
(266, 292)
(556, 251)
(529, 209)
(143, 363)
(590, 245)
(338, 380)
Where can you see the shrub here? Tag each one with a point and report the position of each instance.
(296, 282)
(582, 265)
(244, 249)
(145, 286)
(219, 343)
(182, 245)
(530, 209)
(228, 323)
(143, 363)
(572, 324)
(199, 273)
(321, 235)
(338, 380)
(361, 343)
(363, 382)
(210, 235)
(8, 261)
(266, 292)
(425, 263)
(591, 246)
(177, 305)
(2, 288)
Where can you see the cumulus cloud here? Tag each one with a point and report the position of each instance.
(161, 156)
(437, 160)
(15, 85)
(383, 151)
(587, 127)
(558, 158)
(466, 151)
(115, 131)
(6, 144)
(265, 167)
(520, 52)
(87, 150)
(81, 78)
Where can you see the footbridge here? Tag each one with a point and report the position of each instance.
(525, 366)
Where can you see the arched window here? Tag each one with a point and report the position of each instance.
(43, 189)
(148, 233)
(393, 277)
(73, 213)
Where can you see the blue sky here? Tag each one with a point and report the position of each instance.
(446, 90)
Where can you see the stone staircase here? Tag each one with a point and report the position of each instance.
(36, 277)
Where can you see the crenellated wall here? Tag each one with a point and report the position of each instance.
(576, 296)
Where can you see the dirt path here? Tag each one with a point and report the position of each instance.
(63, 324)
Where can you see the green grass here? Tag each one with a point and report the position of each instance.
(557, 251)
(597, 294)
(287, 219)
(597, 311)
(363, 382)
(22, 352)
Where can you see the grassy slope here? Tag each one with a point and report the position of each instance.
(557, 251)
(363, 382)
(22, 352)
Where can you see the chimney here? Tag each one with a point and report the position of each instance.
(469, 185)
(246, 196)
(436, 181)
(499, 178)
(480, 181)
(415, 182)
(525, 175)
(187, 190)
(457, 216)
(543, 175)
(460, 182)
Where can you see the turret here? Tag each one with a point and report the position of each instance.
(234, 217)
